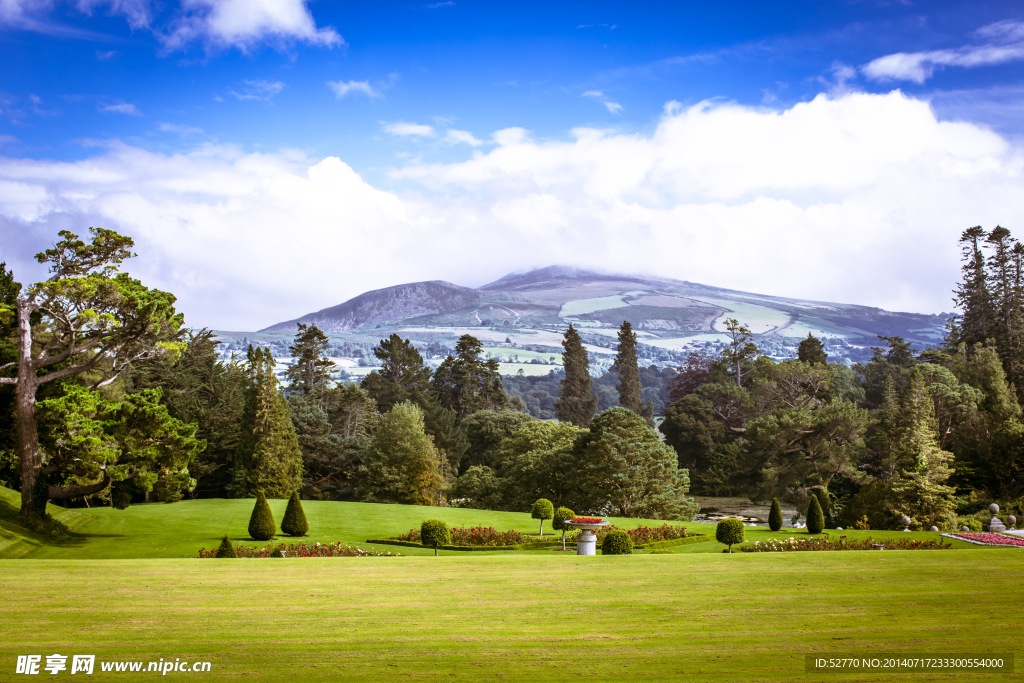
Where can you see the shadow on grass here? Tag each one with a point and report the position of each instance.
(12, 521)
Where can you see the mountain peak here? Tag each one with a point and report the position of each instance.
(552, 277)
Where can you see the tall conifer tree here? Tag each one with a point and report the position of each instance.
(972, 295)
(267, 457)
(629, 387)
(310, 373)
(578, 401)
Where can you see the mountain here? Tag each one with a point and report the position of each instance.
(521, 317)
(390, 303)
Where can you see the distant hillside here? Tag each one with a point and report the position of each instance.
(521, 318)
(390, 303)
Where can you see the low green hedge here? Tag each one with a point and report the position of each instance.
(696, 538)
(414, 544)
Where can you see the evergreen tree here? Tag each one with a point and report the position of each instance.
(310, 371)
(485, 431)
(741, 352)
(694, 372)
(972, 295)
(402, 465)
(811, 351)
(404, 377)
(775, 516)
(578, 402)
(629, 387)
(621, 463)
(268, 457)
(465, 383)
(815, 517)
(261, 522)
(225, 549)
(294, 522)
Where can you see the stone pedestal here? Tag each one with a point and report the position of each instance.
(993, 526)
(586, 543)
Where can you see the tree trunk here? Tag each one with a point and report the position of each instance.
(25, 408)
(541, 527)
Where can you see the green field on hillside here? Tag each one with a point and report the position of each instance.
(711, 617)
(179, 530)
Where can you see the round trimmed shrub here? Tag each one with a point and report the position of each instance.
(433, 533)
(775, 516)
(562, 515)
(542, 509)
(225, 549)
(261, 523)
(729, 532)
(294, 522)
(617, 542)
(815, 517)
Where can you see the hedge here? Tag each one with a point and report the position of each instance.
(414, 544)
(696, 538)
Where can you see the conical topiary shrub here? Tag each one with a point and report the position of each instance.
(294, 522)
(815, 517)
(225, 549)
(775, 516)
(261, 524)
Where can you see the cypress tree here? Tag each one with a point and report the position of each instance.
(629, 387)
(267, 457)
(225, 549)
(578, 401)
(775, 516)
(815, 517)
(294, 522)
(261, 523)
(811, 351)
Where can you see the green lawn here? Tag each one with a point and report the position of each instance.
(711, 617)
(126, 586)
(179, 530)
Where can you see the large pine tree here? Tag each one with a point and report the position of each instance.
(267, 457)
(578, 401)
(629, 387)
(465, 383)
(310, 372)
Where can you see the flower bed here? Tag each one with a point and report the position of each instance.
(643, 535)
(987, 539)
(474, 536)
(302, 550)
(586, 520)
(841, 543)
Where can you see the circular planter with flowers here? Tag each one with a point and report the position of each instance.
(586, 542)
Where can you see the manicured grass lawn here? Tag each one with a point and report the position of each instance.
(710, 617)
(180, 529)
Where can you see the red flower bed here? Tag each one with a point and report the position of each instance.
(842, 543)
(586, 520)
(989, 539)
(477, 535)
(643, 534)
(302, 550)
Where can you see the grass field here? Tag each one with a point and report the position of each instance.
(536, 618)
(126, 586)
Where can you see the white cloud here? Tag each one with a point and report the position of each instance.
(612, 107)
(409, 129)
(454, 136)
(258, 90)
(179, 128)
(856, 198)
(121, 108)
(343, 88)
(245, 24)
(138, 13)
(1005, 44)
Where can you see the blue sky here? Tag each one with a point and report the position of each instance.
(459, 140)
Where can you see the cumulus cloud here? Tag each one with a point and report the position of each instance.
(612, 107)
(854, 198)
(217, 24)
(121, 108)
(455, 137)
(1004, 43)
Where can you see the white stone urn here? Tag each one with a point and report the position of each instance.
(586, 542)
